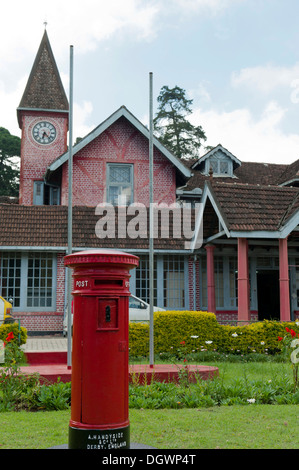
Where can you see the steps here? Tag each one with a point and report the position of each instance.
(53, 365)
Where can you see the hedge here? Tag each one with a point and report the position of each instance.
(14, 327)
(198, 331)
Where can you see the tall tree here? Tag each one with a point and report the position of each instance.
(10, 149)
(172, 127)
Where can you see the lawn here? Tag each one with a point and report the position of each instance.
(248, 426)
(235, 427)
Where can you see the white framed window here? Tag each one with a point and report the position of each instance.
(40, 280)
(38, 193)
(226, 282)
(120, 184)
(11, 277)
(174, 282)
(29, 279)
(220, 165)
(45, 194)
(142, 279)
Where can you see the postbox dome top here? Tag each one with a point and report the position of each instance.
(101, 256)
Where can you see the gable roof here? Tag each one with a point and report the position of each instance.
(214, 150)
(121, 112)
(44, 89)
(290, 174)
(253, 210)
(247, 173)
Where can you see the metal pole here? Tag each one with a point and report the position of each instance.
(70, 218)
(151, 222)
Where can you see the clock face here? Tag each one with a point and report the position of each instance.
(44, 132)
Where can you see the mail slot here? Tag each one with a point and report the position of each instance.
(100, 353)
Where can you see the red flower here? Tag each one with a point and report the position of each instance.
(182, 343)
(280, 338)
(293, 333)
(287, 329)
(9, 337)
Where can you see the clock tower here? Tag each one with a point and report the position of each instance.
(43, 119)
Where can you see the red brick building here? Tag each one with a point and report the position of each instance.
(247, 267)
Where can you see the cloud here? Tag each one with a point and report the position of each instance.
(81, 114)
(265, 78)
(9, 102)
(249, 139)
(210, 6)
(200, 93)
(72, 22)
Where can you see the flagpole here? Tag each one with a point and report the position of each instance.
(151, 221)
(70, 216)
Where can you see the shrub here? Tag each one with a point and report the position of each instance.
(196, 330)
(6, 328)
(171, 328)
(186, 332)
(56, 396)
(138, 339)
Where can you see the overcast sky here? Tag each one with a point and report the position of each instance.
(237, 59)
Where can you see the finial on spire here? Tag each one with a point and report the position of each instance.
(45, 24)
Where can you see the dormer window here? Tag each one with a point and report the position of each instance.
(220, 165)
(219, 160)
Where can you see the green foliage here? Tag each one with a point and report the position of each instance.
(209, 393)
(5, 329)
(14, 384)
(56, 396)
(187, 332)
(10, 148)
(172, 126)
(138, 339)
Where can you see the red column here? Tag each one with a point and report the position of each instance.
(285, 313)
(243, 282)
(211, 278)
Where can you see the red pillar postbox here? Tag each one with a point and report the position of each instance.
(100, 356)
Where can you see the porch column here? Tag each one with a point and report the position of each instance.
(211, 278)
(284, 284)
(243, 282)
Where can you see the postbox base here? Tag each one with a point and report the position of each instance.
(99, 439)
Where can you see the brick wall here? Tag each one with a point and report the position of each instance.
(40, 322)
(121, 143)
(35, 157)
(47, 321)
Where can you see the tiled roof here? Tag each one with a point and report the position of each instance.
(44, 88)
(291, 172)
(248, 207)
(248, 172)
(47, 226)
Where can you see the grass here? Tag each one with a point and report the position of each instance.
(226, 427)
(236, 427)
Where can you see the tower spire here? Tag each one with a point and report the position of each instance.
(44, 89)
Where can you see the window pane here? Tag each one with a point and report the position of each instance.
(142, 279)
(120, 184)
(233, 281)
(174, 282)
(11, 278)
(224, 168)
(120, 174)
(219, 281)
(38, 278)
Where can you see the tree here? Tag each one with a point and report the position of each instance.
(172, 127)
(10, 150)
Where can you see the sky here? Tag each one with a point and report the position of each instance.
(236, 59)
